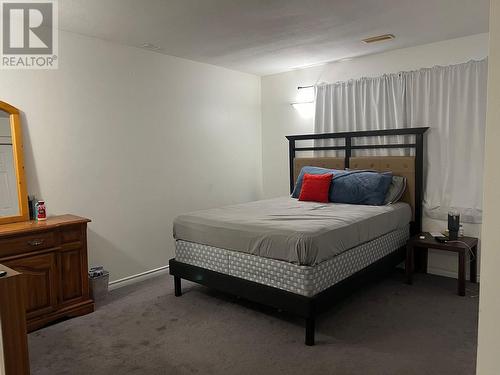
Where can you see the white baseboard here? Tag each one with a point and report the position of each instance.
(446, 273)
(129, 280)
(440, 272)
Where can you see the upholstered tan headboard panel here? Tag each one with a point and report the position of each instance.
(398, 165)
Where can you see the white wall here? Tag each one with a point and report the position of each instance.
(488, 359)
(131, 138)
(279, 118)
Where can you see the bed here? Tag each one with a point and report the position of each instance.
(304, 256)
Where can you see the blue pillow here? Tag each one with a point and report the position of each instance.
(360, 187)
(312, 170)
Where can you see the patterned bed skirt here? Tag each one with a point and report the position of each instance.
(304, 280)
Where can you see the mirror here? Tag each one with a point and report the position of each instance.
(13, 195)
(9, 204)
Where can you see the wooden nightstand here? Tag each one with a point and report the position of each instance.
(463, 246)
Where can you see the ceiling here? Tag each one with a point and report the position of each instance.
(271, 36)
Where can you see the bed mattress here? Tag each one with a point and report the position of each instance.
(285, 229)
(304, 280)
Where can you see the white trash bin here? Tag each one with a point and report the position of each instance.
(99, 286)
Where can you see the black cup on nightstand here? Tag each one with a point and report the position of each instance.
(453, 224)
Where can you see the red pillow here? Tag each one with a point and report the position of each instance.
(315, 187)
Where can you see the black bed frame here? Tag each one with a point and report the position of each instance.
(309, 307)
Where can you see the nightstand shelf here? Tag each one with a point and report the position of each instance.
(463, 246)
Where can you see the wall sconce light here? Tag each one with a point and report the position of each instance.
(305, 110)
(304, 104)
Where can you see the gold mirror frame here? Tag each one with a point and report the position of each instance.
(17, 148)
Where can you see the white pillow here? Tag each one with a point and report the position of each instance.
(396, 190)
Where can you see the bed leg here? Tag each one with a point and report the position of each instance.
(177, 286)
(310, 323)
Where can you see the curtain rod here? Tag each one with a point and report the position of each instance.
(406, 71)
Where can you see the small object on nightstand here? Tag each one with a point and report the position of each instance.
(439, 237)
(453, 224)
(3, 273)
(465, 246)
(437, 234)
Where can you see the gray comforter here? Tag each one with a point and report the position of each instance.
(304, 233)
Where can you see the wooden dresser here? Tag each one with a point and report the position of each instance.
(52, 257)
(13, 339)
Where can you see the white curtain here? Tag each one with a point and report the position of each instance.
(451, 100)
(363, 104)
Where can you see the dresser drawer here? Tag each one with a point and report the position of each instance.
(26, 243)
(71, 233)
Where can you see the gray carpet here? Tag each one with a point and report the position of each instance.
(386, 328)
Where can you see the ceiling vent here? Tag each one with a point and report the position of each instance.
(150, 46)
(378, 38)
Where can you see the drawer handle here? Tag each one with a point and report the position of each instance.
(35, 242)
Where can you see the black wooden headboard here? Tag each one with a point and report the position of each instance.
(410, 167)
